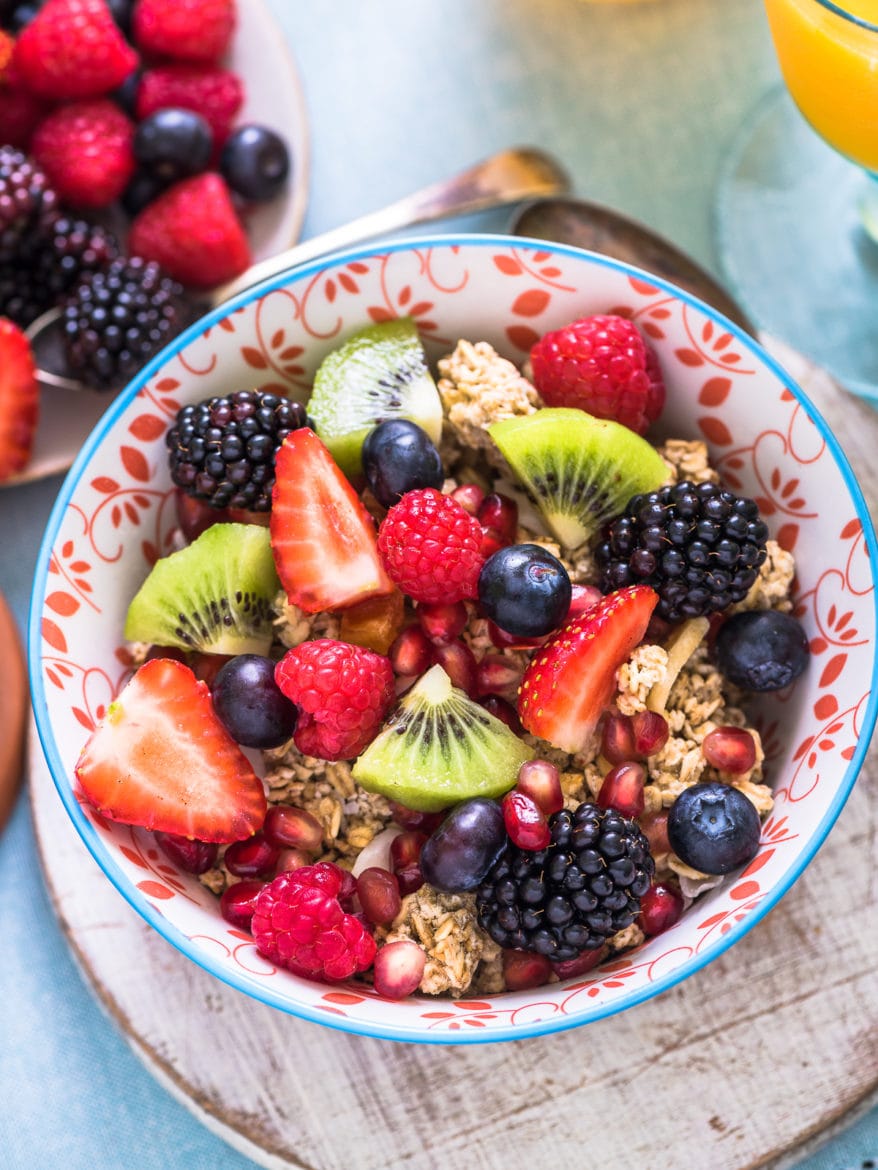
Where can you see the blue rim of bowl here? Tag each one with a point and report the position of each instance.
(248, 985)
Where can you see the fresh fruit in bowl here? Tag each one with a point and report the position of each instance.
(498, 747)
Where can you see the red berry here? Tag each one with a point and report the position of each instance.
(206, 666)
(655, 828)
(19, 399)
(73, 49)
(410, 818)
(238, 902)
(458, 662)
(503, 640)
(86, 150)
(582, 599)
(411, 652)
(289, 860)
(650, 731)
(498, 675)
(525, 821)
(399, 968)
(599, 364)
(255, 857)
(525, 969)
(731, 749)
(20, 110)
(441, 621)
(216, 94)
(539, 780)
(378, 891)
(617, 738)
(430, 546)
(660, 908)
(405, 851)
(500, 513)
(569, 968)
(190, 855)
(622, 789)
(469, 496)
(194, 516)
(343, 693)
(190, 30)
(288, 827)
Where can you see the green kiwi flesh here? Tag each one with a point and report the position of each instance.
(378, 373)
(215, 595)
(439, 747)
(579, 470)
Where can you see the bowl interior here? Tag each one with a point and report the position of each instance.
(114, 516)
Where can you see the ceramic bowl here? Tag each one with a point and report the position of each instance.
(114, 514)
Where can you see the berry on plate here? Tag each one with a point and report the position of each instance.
(570, 680)
(85, 148)
(600, 364)
(188, 30)
(20, 110)
(322, 536)
(73, 49)
(216, 94)
(161, 758)
(19, 399)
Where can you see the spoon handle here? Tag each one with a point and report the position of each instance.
(507, 177)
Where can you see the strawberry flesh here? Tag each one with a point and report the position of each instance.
(19, 400)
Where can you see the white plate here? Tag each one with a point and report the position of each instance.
(274, 98)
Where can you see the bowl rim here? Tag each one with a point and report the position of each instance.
(380, 1028)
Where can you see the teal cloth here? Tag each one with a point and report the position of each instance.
(639, 102)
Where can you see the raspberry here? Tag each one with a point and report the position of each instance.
(86, 150)
(216, 94)
(299, 923)
(193, 231)
(431, 547)
(186, 30)
(343, 693)
(601, 365)
(20, 110)
(73, 49)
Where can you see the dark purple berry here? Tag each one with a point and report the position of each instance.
(399, 456)
(255, 163)
(250, 704)
(713, 828)
(761, 650)
(525, 590)
(460, 852)
(173, 143)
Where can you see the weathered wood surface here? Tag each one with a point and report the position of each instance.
(747, 1064)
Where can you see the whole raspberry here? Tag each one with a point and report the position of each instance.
(431, 547)
(186, 30)
(299, 923)
(73, 49)
(86, 150)
(602, 365)
(216, 94)
(343, 693)
(20, 110)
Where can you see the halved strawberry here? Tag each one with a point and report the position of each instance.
(323, 538)
(570, 680)
(160, 758)
(19, 399)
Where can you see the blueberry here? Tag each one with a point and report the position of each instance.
(125, 96)
(524, 590)
(121, 11)
(255, 163)
(398, 456)
(761, 650)
(713, 827)
(142, 188)
(173, 143)
(250, 704)
(458, 855)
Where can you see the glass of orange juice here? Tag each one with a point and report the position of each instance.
(798, 203)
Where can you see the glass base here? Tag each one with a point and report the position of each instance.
(793, 246)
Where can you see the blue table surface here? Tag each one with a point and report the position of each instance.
(639, 102)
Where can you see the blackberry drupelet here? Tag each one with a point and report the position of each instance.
(118, 317)
(698, 545)
(575, 894)
(28, 203)
(222, 450)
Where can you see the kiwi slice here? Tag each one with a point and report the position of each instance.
(379, 373)
(579, 470)
(439, 747)
(215, 595)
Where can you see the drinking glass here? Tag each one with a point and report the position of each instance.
(798, 203)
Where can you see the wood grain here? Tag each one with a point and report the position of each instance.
(744, 1065)
(13, 711)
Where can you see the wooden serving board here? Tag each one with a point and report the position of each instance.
(747, 1064)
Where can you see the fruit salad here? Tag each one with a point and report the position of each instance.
(444, 687)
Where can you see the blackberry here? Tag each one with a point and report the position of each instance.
(573, 895)
(222, 450)
(698, 545)
(120, 316)
(28, 204)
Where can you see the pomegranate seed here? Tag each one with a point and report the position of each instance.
(731, 749)
(525, 969)
(405, 850)
(525, 821)
(660, 908)
(617, 738)
(194, 516)
(504, 711)
(348, 888)
(657, 630)
(504, 641)
(442, 622)
(491, 542)
(655, 828)
(173, 652)
(289, 860)
(286, 826)
(411, 652)
(411, 818)
(498, 675)
(187, 854)
(243, 516)
(458, 662)
(255, 857)
(378, 892)
(582, 599)
(207, 666)
(539, 780)
(238, 902)
(409, 878)
(500, 513)
(650, 733)
(568, 968)
(622, 789)
(398, 968)
(469, 496)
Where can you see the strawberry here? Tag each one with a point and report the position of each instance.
(216, 94)
(570, 680)
(86, 150)
(186, 30)
(73, 49)
(193, 232)
(19, 399)
(160, 758)
(323, 538)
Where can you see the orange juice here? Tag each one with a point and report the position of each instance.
(829, 62)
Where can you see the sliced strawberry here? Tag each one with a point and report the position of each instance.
(571, 679)
(19, 399)
(323, 538)
(160, 758)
